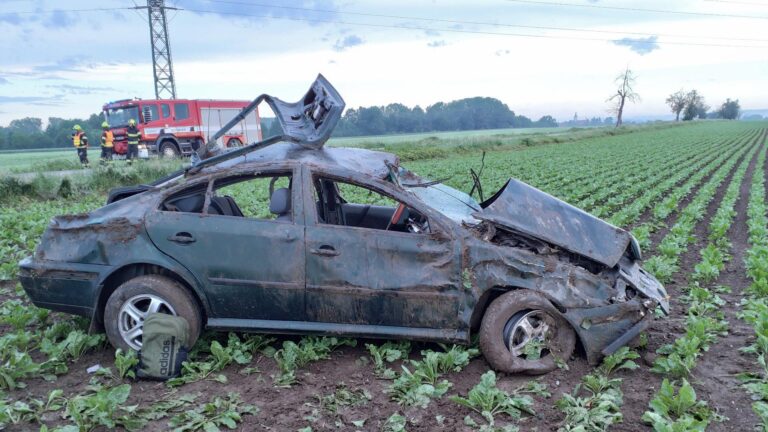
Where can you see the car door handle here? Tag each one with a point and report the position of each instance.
(182, 237)
(325, 250)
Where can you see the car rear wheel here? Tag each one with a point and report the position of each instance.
(134, 300)
(522, 332)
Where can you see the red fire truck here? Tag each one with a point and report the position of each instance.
(177, 127)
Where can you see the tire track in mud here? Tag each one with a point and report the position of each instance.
(717, 369)
(640, 387)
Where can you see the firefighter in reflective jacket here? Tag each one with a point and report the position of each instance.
(80, 141)
(134, 135)
(107, 143)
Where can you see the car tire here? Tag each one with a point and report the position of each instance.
(168, 150)
(503, 324)
(145, 292)
(234, 143)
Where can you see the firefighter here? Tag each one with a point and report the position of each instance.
(134, 135)
(107, 143)
(80, 141)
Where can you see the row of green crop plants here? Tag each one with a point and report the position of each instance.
(755, 305)
(676, 242)
(675, 406)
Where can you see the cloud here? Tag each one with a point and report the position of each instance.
(60, 19)
(641, 46)
(66, 64)
(501, 52)
(10, 18)
(33, 100)
(81, 90)
(304, 10)
(437, 44)
(347, 42)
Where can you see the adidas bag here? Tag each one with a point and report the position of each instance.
(163, 347)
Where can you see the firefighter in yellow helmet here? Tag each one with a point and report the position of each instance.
(80, 141)
(107, 143)
(134, 135)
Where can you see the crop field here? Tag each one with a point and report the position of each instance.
(694, 195)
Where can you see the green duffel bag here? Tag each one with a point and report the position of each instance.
(163, 347)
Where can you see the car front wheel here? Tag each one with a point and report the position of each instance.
(134, 300)
(522, 332)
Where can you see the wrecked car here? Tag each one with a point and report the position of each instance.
(289, 236)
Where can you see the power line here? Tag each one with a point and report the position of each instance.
(404, 27)
(37, 12)
(449, 21)
(480, 32)
(637, 9)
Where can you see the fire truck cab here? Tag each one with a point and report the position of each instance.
(172, 128)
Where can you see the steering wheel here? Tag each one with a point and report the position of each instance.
(397, 215)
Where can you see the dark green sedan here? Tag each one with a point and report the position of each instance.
(287, 236)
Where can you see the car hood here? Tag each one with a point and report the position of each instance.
(534, 213)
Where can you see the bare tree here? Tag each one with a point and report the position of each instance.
(677, 102)
(624, 93)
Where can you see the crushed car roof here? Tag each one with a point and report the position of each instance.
(363, 161)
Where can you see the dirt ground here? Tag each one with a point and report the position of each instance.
(298, 407)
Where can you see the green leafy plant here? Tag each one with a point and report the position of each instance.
(20, 315)
(227, 412)
(237, 351)
(601, 406)
(103, 406)
(294, 356)
(419, 386)
(387, 353)
(679, 410)
(344, 397)
(125, 363)
(395, 423)
(488, 400)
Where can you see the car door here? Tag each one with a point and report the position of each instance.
(251, 267)
(368, 276)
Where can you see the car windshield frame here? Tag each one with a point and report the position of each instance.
(119, 116)
(452, 203)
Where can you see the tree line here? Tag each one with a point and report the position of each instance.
(691, 105)
(464, 114)
(28, 133)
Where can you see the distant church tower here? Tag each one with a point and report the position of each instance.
(575, 117)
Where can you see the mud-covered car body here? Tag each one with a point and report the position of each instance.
(335, 267)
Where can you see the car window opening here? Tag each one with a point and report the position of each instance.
(347, 204)
(266, 197)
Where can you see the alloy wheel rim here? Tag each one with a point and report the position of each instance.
(526, 328)
(133, 313)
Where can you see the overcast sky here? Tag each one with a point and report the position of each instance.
(538, 57)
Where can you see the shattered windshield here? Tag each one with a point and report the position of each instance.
(451, 202)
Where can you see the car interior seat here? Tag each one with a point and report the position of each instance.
(224, 205)
(280, 204)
